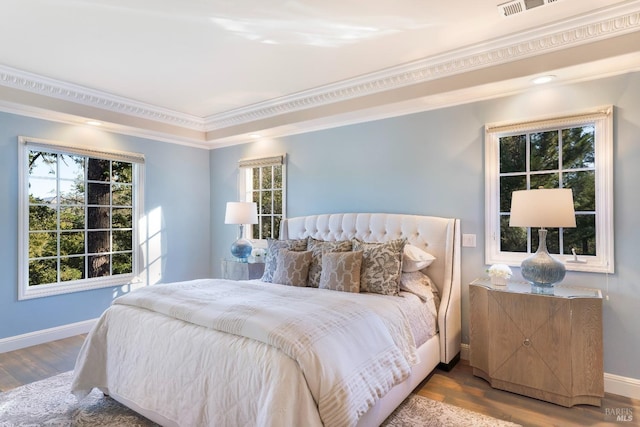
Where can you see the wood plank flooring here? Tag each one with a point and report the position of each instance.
(458, 387)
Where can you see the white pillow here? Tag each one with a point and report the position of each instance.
(415, 259)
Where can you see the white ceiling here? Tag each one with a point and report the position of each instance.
(210, 72)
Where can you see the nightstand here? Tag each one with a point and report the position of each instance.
(235, 270)
(544, 346)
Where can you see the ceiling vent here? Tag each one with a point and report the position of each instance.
(518, 6)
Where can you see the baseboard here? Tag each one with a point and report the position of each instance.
(614, 384)
(46, 335)
(623, 386)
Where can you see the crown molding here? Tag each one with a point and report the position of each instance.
(578, 31)
(23, 80)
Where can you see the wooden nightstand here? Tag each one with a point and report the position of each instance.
(543, 346)
(235, 270)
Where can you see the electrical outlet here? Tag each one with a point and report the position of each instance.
(469, 240)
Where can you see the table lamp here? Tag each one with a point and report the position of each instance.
(241, 213)
(542, 208)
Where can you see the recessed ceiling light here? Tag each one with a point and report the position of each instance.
(542, 79)
(255, 135)
(93, 123)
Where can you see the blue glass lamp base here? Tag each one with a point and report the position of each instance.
(241, 249)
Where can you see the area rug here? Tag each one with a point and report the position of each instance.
(49, 403)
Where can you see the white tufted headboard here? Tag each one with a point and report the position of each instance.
(438, 236)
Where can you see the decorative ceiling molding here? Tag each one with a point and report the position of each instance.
(41, 85)
(559, 36)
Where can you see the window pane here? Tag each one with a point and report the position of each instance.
(583, 237)
(98, 218)
(276, 226)
(267, 175)
(122, 240)
(265, 202)
(72, 167)
(277, 202)
(71, 218)
(42, 190)
(509, 184)
(98, 194)
(71, 192)
(43, 271)
(545, 180)
(122, 218)
(544, 151)
(72, 268)
(99, 266)
(513, 154)
(122, 263)
(72, 243)
(255, 230)
(266, 227)
(43, 244)
(98, 170)
(583, 185)
(578, 147)
(122, 172)
(512, 239)
(277, 176)
(122, 195)
(42, 164)
(98, 241)
(42, 218)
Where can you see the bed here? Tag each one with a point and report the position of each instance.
(233, 356)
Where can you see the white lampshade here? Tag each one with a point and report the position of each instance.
(241, 213)
(545, 207)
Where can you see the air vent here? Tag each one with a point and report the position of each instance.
(518, 6)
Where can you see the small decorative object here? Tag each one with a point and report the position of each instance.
(241, 213)
(258, 254)
(546, 207)
(499, 274)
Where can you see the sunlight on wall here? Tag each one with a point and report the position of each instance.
(153, 252)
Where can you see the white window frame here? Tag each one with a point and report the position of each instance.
(602, 118)
(245, 186)
(28, 292)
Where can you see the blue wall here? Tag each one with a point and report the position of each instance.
(176, 198)
(433, 163)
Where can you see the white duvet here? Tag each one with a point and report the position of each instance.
(215, 352)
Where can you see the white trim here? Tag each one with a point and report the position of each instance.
(622, 386)
(45, 335)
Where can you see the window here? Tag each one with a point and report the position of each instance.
(566, 152)
(78, 214)
(264, 181)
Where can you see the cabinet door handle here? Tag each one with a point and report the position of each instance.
(526, 342)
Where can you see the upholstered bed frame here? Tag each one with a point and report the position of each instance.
(438, 236)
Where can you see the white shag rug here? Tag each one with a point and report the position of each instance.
(49, 403)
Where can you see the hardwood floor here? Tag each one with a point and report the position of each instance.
(457, 387)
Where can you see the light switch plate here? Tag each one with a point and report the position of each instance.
(469, 240)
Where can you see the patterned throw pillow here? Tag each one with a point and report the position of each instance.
(273, 247)
(341, 271)
(292, 268)
(318, 248)
(420, 285)
(381, 266)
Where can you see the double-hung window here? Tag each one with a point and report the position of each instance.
(573, 151)
(263, 181)
(79, 210)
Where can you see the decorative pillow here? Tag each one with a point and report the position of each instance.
(381, 266)
(292, 268)
(341, 271)
(319, 247)
(421, 285)
(415, 259)
(273, 247)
